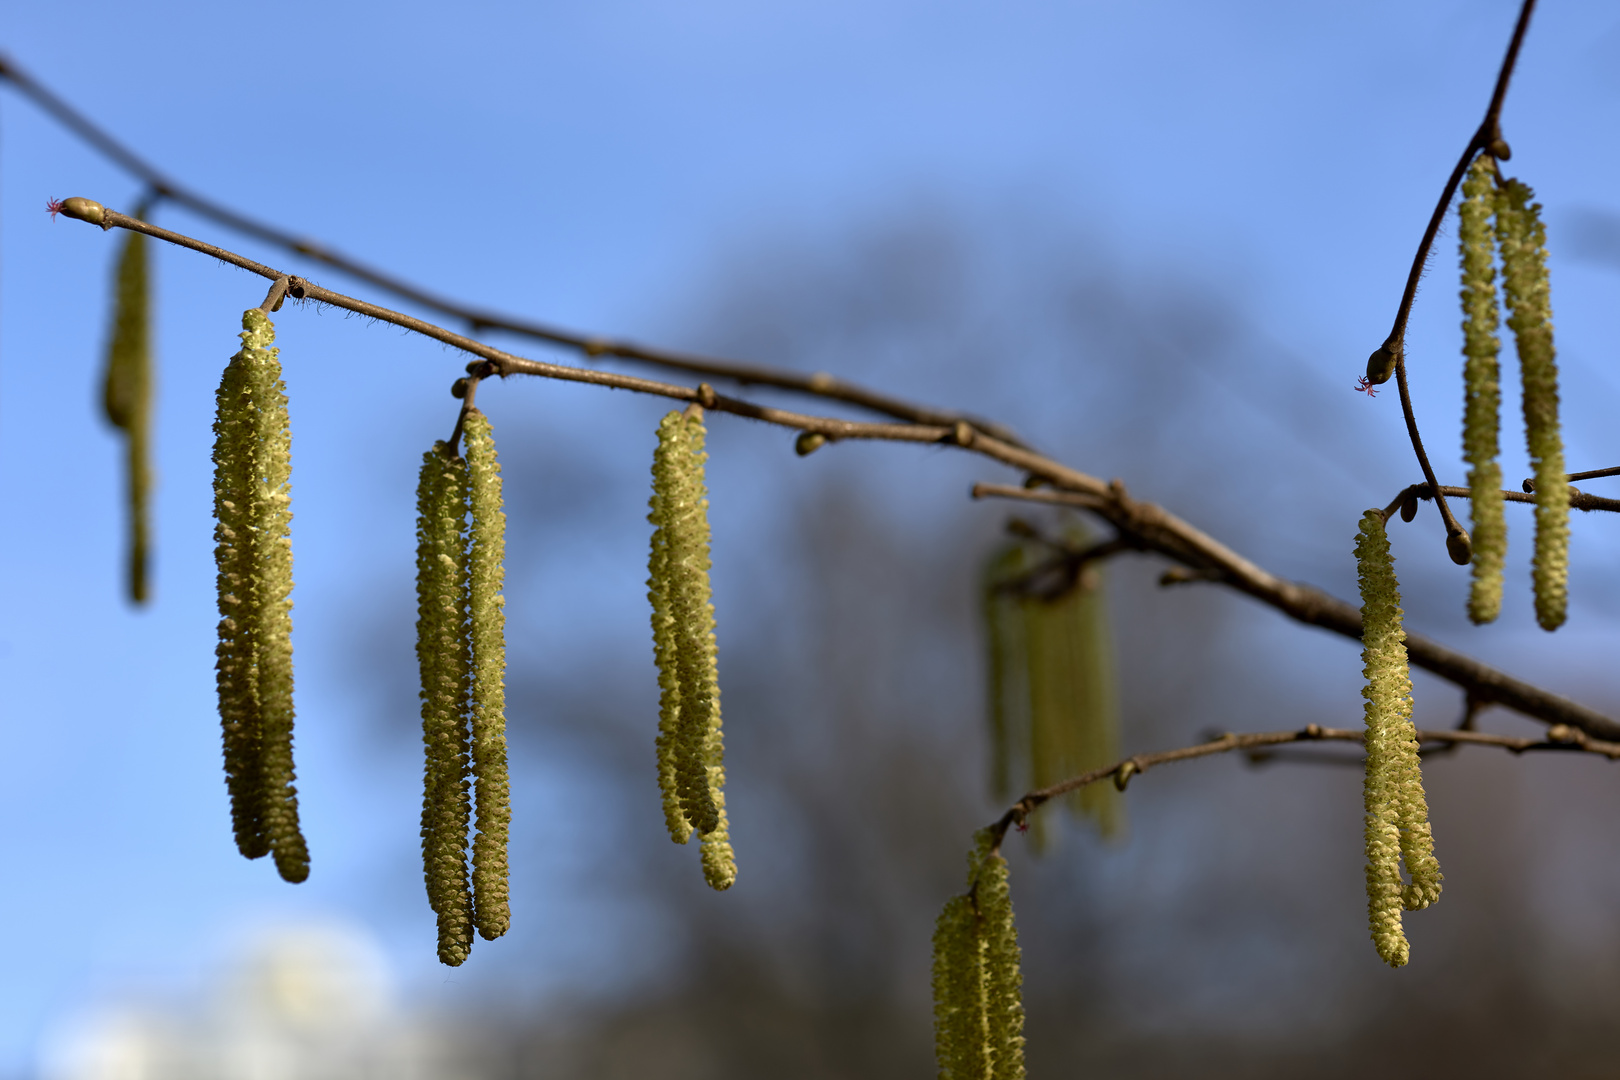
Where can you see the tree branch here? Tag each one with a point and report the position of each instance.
(819, 384)
(1143, 523)
(1559, 738)
(1578, 499)
(1155, 529)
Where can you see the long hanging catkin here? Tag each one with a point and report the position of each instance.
(1523, 241)
(252, 459)
(1396, 819)
(487, 626)
(691, 767)
(1053, 707)
(978, 980)
(445, 663)
(1482, 395)
(127, 400)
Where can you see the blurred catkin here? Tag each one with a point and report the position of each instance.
(444, 660)
(1053, 706)
(252, 500)
(1482, 395)
(1523, 241)
(127, 400)
(1396, 820)
(487, 627)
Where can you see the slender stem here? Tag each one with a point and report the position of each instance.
(1155, 530)
(1151, 526)
(1488, 136)
(819, 384)
(1456, 536)
(1557, 739)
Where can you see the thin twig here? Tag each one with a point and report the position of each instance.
(1487, 137)
(1156, 530)
(1578, 499)
(819, 384)
(1558, 738)
(1152, 526)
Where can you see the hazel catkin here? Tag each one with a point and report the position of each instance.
(1482, 393)
(253, 553)
(127, 401)
(1396, 812)
(444, 660)
(690, 744)
(486, 624)
(1523, 241)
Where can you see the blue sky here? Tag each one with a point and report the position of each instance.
(596, 166)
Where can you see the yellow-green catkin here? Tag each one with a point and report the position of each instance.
(978, 978)
(690, 740)
(445, 662)
(252, 499)
(1054, 708)
(1482, 394)
(127, 401)
(663, 631)
(1523, 241)
(486, 621)
(1397, 825)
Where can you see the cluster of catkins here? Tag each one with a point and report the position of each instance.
(978, 981)
(691, 765)
(1521, 239)
(253, 553)
(461, 652)
(1054, 708)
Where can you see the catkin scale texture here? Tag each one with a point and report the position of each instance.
(690, 744)
(1482, 395)
(1523, 242)
(977, 979)
(486, 621)
(444, 661)
(252, 499)
(1396, 811)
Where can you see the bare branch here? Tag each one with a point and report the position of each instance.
(1559, 738)
(819, 384)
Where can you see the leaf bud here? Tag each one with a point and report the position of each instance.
(808, 443)
(1460, 547)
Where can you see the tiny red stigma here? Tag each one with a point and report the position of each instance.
(54, 207)
(1365, 385)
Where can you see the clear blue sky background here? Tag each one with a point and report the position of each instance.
(593, 165)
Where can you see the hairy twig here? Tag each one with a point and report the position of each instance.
(1156, 530)
(1150, 526)
(819, 384)
(1392, 353)
(1559, 737)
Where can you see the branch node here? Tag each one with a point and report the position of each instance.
(962, 433)
(821, 382)
(1312, 731)
(705, 394)
(1127, 769)
(295, 287)
(1459, 546)
(458, 389)
(596, 346)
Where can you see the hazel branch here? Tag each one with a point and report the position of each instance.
(1558, 738)
(819, 384)
(1390, 357)
(1154, 529)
